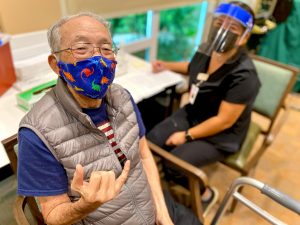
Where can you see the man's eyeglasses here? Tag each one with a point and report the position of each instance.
(86, 50)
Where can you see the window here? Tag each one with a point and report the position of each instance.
(171, 34)
(128, 29)
(178, 33)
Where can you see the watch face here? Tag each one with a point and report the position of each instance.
(188, 137)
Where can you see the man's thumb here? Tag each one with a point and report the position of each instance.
(77, 181)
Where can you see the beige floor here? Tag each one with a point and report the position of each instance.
(279, 167)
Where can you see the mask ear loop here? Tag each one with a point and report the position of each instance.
(247, 31)
(57, 61)
(55, 56)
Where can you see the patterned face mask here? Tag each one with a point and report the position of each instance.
(90, 77)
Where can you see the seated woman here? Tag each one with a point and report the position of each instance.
(223, 86)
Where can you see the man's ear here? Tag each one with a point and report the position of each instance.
(52, 61)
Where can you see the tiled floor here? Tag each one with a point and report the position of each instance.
(279, 167)
(7, 197)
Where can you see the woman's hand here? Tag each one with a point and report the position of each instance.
(158, 66)
(177, 138)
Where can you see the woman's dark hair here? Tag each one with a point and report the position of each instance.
(244, 6)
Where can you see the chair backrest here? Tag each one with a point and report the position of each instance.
(277, 81)
(11, 147)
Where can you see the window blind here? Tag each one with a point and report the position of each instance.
(118, 8)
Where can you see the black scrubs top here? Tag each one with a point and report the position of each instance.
(235, 82)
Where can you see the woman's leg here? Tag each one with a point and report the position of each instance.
(198, 153)
(160, 133)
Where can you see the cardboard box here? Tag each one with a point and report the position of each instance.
(7, 71)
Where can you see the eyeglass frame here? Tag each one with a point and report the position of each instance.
(115, 49)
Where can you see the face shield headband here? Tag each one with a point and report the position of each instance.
(236, 12)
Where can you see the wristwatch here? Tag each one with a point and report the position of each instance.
(188, 137)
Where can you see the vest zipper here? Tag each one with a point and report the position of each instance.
(131, 193)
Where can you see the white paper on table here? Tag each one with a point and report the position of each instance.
(146, 84)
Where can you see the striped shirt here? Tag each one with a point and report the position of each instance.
(106, 128)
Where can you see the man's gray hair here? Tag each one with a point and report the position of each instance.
(53, 34)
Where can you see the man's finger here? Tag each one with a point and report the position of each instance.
(77, 181)
(123, 177)
(95, 180)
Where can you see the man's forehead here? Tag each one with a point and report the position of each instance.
(82, 28)
(84, 38)
(85, 21)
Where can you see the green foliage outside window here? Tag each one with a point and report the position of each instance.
(129, 28)
(178, 29)
(176, 39)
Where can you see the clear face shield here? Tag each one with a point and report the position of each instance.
(230, 25)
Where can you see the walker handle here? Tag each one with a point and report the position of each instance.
(281, 198)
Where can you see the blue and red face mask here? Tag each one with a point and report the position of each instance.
(90, 77)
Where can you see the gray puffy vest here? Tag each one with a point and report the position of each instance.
(73, 139)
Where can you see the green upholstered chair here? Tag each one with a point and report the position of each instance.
(22, 203)
(277, 81)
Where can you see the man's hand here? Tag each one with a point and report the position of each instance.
(158, 66)
(177, 138)
(102, 186)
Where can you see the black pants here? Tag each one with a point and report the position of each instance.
(179, 214)
(198, 152)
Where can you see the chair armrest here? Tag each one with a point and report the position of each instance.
(184, 99)
(277, 126)
(187, 168)
(19, 210)
(19, 206)
(196, 177)
(270, 136)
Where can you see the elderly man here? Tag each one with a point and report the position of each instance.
(82, 150)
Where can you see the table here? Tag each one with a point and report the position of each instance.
(138, 80)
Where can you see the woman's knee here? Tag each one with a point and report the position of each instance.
(160, 132)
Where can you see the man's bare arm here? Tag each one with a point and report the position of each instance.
(162, 214)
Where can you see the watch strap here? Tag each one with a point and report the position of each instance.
(188, 136)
